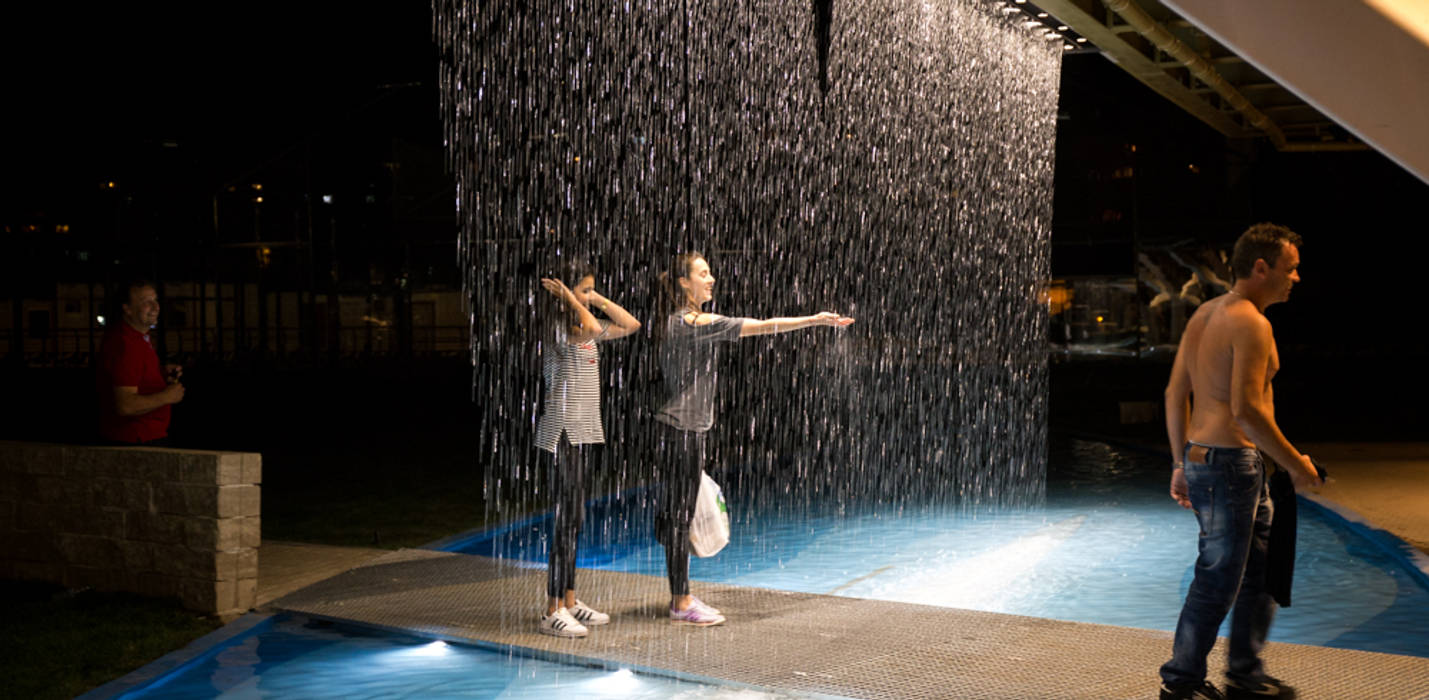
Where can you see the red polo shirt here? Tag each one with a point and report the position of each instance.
(127, 359)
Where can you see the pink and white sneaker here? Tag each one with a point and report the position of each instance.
(706, 606)
(697, 615)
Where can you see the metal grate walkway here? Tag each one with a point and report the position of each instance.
(808, 643)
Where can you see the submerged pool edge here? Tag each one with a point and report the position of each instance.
(159, 671)
(154, 674)
(558, 657)
(1414, 561)
(1410, 558)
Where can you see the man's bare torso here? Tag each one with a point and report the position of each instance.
(1207, 348)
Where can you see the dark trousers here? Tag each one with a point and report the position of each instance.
(681, 459)
(568, 473)
(1228, 492)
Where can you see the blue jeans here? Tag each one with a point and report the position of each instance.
(1231, 498)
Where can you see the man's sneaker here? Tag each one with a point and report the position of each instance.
(696, 615)
(1265, 687)
(1190, 691)
(561, 624)
(586, 615)
(696, 602)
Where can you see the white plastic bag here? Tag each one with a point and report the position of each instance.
(709, 529)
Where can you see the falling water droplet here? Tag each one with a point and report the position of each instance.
(891, 161)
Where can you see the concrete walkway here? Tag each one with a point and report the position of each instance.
(1386, 483)
(807, 642)
(827, 644)
(284, 567)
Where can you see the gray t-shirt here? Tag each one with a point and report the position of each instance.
(689, 359)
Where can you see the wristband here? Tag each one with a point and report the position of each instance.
(1177, 465)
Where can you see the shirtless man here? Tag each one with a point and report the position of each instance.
(1226, 359)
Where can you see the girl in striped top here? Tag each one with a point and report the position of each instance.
(569, 424)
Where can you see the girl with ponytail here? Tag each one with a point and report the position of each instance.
(688, 341)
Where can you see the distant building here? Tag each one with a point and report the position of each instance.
(224, 322)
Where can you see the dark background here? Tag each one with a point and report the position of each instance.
(177, 106)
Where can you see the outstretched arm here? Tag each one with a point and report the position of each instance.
(770, 326)
(625, 324)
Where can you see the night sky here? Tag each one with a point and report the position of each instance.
(98, 93)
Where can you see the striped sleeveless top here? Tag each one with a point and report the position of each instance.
(572, 401)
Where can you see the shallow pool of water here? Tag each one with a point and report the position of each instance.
(290, 657)
(1108, 547)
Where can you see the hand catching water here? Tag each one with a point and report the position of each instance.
(829, 318)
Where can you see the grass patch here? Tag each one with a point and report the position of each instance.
(368, 510)
(378, 488)
(58, 644)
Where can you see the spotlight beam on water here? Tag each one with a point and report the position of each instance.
(987, 580)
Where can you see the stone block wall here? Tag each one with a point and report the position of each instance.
(153, 521)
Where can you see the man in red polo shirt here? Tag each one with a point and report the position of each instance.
(135, 391)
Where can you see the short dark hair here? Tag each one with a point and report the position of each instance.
(124, 291)
(1262, 241)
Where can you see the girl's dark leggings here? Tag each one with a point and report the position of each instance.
(568, 473)
(681, 459)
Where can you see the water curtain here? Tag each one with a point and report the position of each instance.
(891, 160)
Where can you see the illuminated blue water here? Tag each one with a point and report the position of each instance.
(292, 658)
(1109, 547)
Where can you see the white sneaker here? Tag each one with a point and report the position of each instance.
(561, 624)
(587, 615)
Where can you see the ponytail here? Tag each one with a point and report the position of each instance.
(672, 298)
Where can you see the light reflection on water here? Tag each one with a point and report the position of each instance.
(1109, 547)
(294, 659)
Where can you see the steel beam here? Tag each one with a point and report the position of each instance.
(1107, 36)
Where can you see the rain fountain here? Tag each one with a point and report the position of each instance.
(890, 160)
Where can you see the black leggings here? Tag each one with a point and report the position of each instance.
(568, 487)
(682, 457)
